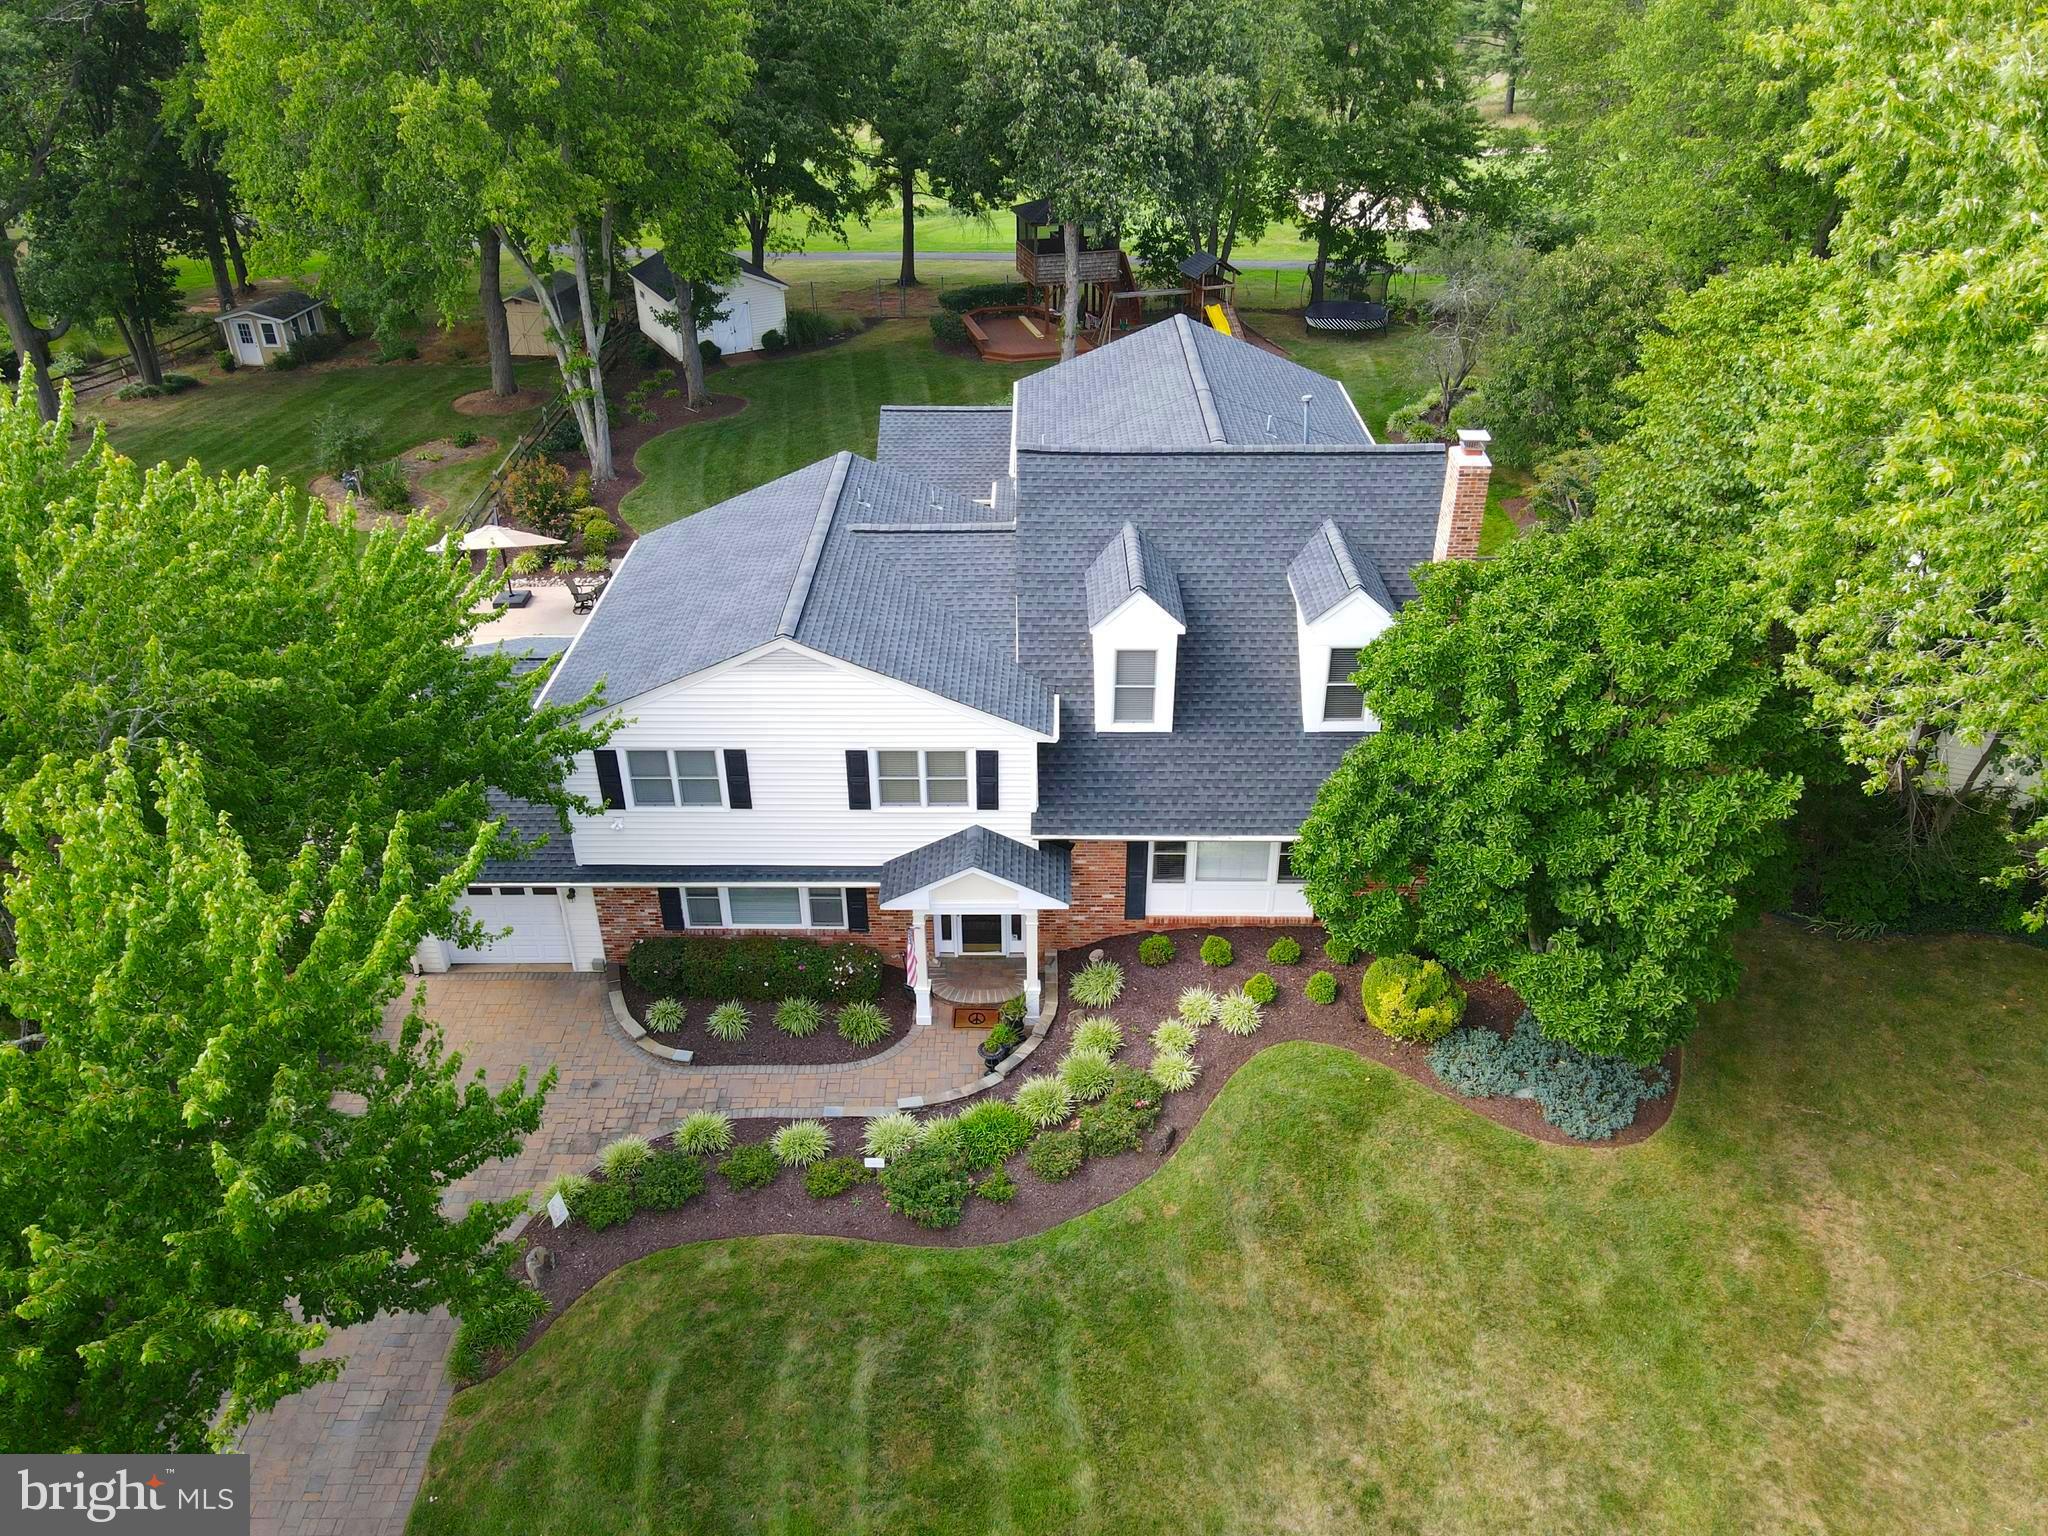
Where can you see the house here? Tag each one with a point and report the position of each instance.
(1035, 675)
(754, 303)
(259, 330)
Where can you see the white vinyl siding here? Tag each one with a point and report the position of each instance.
(1221, 877)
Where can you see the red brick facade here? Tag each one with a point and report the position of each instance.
(626, 914)
(1466, 474)
(1096, 905)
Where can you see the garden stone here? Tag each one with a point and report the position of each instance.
(1163, 1140)
(538, 1262)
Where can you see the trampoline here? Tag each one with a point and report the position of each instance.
(1346, 316)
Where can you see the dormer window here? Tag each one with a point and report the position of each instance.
(1340, 606)
(1137, 685)
(1341, 697)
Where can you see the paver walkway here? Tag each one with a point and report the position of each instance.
(345, 1459)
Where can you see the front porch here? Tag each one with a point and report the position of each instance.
(977, 981)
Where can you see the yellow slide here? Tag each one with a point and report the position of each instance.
(1217, 320)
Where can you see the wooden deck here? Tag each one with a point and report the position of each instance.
(1016, 335)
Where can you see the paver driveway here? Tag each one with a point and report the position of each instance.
(346, 1458)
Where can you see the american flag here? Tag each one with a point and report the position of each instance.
(910, 957)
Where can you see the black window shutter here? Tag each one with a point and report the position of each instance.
(857, 796)
(609, 789)
(739, 789)
(857, 909)
(1135, 855)
(987, 778)
(671, 907)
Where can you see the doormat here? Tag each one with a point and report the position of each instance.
(977, 1018)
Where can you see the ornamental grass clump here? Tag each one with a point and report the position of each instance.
(707, 1130)
(1087, 1074)
(1238, 1014)
(1261, 988)
(1155, 949)
(799, 1016)
(1216, 950)
(569, 1186)
(993, 1131)
(890, 1135)
(863, 1024)
(1321, 989)
(801, 1143)
(728, 1022)
(1104, 1035)
(1174, 1071)
(943, 1134)
(1409, 998)
(1175, 1035)
(623, 1158)
(1097, 985)
(1284, 950)
(665, 1015)
(1196, 1006)
(1044, 1101)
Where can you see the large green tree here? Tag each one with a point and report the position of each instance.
(40, 68)
(1578, 782)
(216, 1152)
(321, 683)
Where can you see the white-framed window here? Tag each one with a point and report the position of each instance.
(704, 906)
(242, 331)
(913, 778)
(765, 906)
(1137, 687)
(1341, 697)
(269, 334)
(828, 906)
(1169, 863)
(292, 325)
(1287, 874)
(1216, 862)
(691, 780)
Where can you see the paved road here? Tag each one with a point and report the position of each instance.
(1004, 258)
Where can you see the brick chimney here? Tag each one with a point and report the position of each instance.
(1466, 471)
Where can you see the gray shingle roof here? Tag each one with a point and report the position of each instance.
(1202, 263)
(281, 305)
(653, 270)
(1181, 385)
(528, 652)
(1048, 871)
(843, 556)
(1129, 563)
(561, 284)
(960, 448)
(1324, 574)
(1237, 761)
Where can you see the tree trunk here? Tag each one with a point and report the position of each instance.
(1317, 272)
(1511, 94)
(578, 343)
(906, 188)
(693, 354)
(141, 342)
(216, 252)
(757, 239)
(232, 235)
(31, 341)
(1070, 299)
(497, 335)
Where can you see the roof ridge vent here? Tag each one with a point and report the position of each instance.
(1212, 423)
(814, 548)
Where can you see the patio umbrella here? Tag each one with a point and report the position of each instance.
(497, 536)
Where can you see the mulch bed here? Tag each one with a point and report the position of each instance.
(628, 435)
(417, 464)
(481, 402)
(582, 1257)
(767, 1046)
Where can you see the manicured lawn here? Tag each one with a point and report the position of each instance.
(254, 416)
(803, 408)
(1817, 1300)
(1381, 372)
(939, 229)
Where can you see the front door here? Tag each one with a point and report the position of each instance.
(981, 933)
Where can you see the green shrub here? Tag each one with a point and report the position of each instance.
(1044, 1100)
(1196, 1006)
(863, 1024)
(1055, 1155)
(1216, 950)
(808, 327)
(760, 968)
(664, 1015)
(1175, 1035)
(728, 1022)
(603, 1205)
(598, 534)
(397, 349)
(1097, 985)
(386, 485)
(709, 350)
(564, 436)
(1087, 1075)
(668, 1180)
(1411, 423)
(944, 1133)
(1126, 1113)
(1284, 951)
(984, 296)
(465, 437)
(750, 1167)
(992, 1132)
(492, 1325)
(1239, 1014)
(1012, 1011)
(1155, 949)
(226, 361)
(773, 340)
(833, 1177)
(1321, 989)
(1589, 1098)
(947, 326)
(623, 1158)
(801, 1143)
(998, 1187)
(282, 362)
(928, 1185)
(1261, 988)
(890, 1135)
(1409, 998)
(316, 346)
(705, 1130)
(1097, 1034)
(1174, 1071)
(1339, 951)
(799, 1016)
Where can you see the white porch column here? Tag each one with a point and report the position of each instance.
(1031, 982)
(921, 954)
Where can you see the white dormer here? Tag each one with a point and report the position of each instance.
(1135, 622)
(1340, 607)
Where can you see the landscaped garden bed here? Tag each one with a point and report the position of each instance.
(764, 1043)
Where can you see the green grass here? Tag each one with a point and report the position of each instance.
(1381, 372)
(256, 417)
(939, 229)
(1816, 1301)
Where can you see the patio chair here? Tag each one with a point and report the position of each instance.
(585, 590)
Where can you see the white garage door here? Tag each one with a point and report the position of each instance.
(534, 917)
